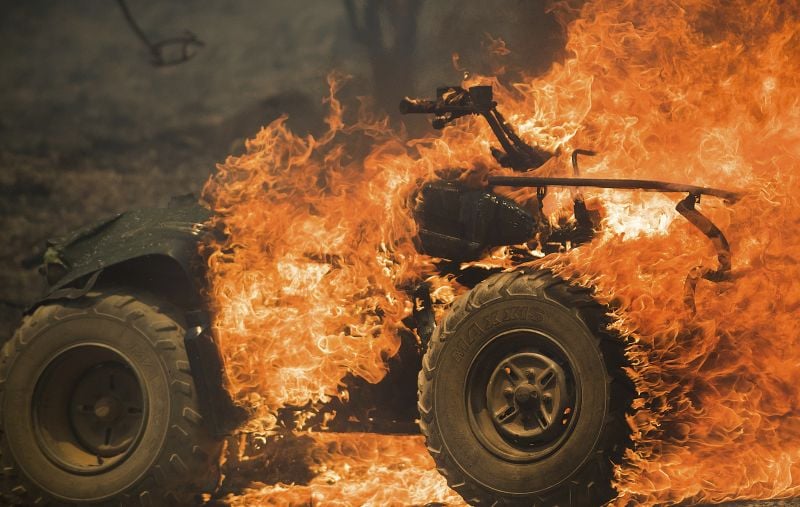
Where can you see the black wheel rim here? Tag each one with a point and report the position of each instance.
(522, 395)
(89, 409)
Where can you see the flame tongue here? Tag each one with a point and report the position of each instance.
(308, 285)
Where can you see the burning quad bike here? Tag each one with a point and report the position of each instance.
(112, 390)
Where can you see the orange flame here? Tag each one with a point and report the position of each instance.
(360, 469)
(706, 94)
(305, 287)
(309, 284)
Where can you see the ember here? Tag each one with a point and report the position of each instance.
(311, 282)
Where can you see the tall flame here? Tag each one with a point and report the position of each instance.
(704, 93)
(306, 285)
(309, 284)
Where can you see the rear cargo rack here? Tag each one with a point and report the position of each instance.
(685, 207)
(646, 185)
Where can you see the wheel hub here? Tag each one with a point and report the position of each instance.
(89, 409)
(527, 396)
(107, 409)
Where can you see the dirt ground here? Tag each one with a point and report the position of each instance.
(89, 128)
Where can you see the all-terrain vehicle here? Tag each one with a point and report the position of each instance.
(112, 390)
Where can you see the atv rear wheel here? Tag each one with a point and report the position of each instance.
(97, 404)
(522, 395)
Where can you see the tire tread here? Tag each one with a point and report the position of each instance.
(589, 482)
(186, 466)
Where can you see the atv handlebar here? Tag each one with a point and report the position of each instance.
(417, 106)
(453, 102)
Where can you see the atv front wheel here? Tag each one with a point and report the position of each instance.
(98, 405)
(522, 395)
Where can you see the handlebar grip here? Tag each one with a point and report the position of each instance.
(411, 106)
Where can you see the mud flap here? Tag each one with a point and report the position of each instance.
(208, 371)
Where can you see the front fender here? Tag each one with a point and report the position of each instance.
(125, 240)
(156, 250)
